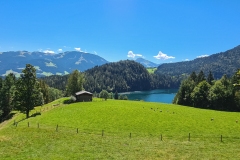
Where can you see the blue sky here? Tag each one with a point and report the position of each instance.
(160, 31)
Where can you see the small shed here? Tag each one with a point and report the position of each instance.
(83, 96)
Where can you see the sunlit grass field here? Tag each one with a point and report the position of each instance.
(116, 129)
(151, 70)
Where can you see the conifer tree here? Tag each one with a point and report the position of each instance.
(116, 95)
(210, 78)
(27, 90)
(200, 77)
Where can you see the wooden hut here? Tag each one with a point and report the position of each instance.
(83, 96)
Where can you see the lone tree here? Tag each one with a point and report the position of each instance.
(27, 90)
(75, 82)
(116, 95)
(103, 94)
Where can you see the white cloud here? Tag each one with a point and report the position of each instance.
(48, 52)
(186, 59)
(60, 50)
(132, 55)
(202, 56)
(11, 71)
(95, 52)
(163, 56)
(78, 49)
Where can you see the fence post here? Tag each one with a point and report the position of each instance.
(161, 137)
(28, 124)
(189, 137)
(102, 132)
(77, 130)
(57, 128)
(130, 135)
(221, 138)
(38, 125)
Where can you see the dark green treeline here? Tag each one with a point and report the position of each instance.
(205, 92)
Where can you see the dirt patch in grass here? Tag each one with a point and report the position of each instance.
(4, 138)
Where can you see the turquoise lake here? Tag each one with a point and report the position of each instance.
(159, 95)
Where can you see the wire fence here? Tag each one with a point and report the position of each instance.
(105, 133)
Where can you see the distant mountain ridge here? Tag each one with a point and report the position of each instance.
(48, 64)
(63, 63)
(146, 63)
(219, 64)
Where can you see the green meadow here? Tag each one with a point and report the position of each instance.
(151, 70)
(116, 129)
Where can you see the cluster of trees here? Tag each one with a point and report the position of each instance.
(56, 81)
(74, 83)
(105, 95)
(199, 91)
(24, 93)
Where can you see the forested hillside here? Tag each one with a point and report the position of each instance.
(56, 81)
(219, 64)
(119, 76)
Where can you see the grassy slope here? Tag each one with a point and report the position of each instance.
(145, 121)
(151, 70)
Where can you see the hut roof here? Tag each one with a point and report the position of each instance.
(83, 92)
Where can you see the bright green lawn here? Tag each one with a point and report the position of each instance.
(151, 70)
(145, 121)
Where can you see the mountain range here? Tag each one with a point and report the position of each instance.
(64, 63)
(227, 62)
(53, 64)
(48, 64)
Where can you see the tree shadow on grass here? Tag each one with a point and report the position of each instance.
(33, 115)
(9, 116)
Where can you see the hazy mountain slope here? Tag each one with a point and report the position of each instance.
(146, 63)
(221, 63)
(48, 64)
